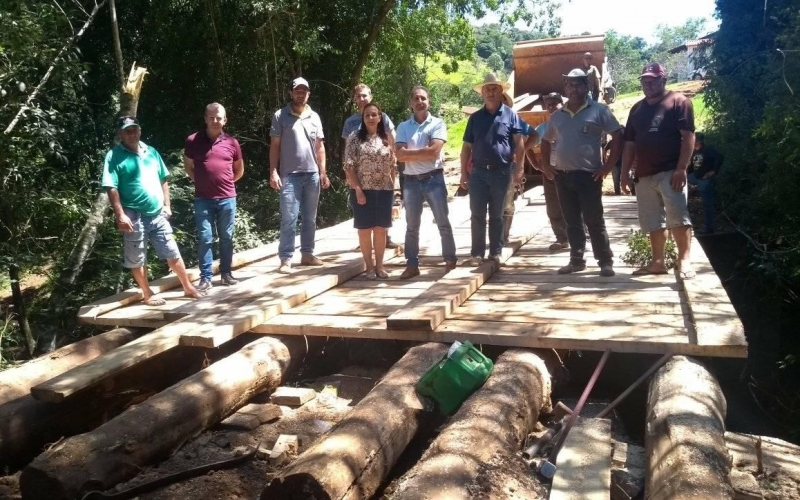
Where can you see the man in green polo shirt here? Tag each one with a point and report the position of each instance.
(136, 180)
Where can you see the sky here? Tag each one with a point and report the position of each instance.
(632, 17)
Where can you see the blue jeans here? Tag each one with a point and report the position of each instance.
(434, 191)
(706, 189)
(581, 199)
(488, 187)
(214, 216)
(299, 196)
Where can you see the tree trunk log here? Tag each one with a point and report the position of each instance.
(685, 434)
(488, 429)
(27, 425)
(19, 308)
(353, 460)
(375, 27)
(17, 382)
(117, 450)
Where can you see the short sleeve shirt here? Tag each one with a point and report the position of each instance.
(213, 164)
(299, 134)
(419, 135)
(577, 138)
(491, 136)
(353, 123)
(137, 176)
(655, 131)
(372, 161)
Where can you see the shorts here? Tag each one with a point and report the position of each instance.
(153, 228)
(660, 206)
(377, 212)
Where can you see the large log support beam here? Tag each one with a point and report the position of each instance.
(685, 434)
(353, 460)
(491, 423)
(17, 382)
(145, 433)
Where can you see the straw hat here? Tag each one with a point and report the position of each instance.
(491, 79)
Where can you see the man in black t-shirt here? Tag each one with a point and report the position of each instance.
(702, 170)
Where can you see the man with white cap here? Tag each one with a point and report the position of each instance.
(659, 134)
(575, 132)
(297, 169)
(135, 177)
(494, 141)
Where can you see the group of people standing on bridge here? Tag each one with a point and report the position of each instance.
(659, 136)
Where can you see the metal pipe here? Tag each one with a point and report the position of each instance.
(575, 412)
(532, 450)
(636, 384)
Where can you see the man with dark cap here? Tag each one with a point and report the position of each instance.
(659, 134)
(135, 177)
(576, 132)
(297, 170)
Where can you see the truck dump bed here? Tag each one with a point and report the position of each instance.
(540, 64)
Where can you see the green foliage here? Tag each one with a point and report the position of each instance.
(455, 135)
(626, 56)
(640, 254)
(496, 42)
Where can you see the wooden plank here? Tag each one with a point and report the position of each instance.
(525, 101)
(568, 288)
(572, 297)
(292, 396)
(584, 463)
(591, 275)
(272, 303)
(432, 307)
(655, 339)
(114, 362)
(350, 306)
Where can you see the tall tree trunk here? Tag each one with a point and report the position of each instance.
(33, 95)
(19, 308)
(366, 46)
(112, 7)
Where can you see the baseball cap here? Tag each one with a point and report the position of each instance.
(553, 96)
(653, 69)
(300, 82)
(127, 122)
(575, 73)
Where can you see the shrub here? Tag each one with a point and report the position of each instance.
(640, 254)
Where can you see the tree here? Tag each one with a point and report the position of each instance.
(495, 62)
(626, 56)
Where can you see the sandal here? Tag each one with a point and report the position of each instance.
(685, 270)
(645, 271)
(381, 274)
(370, 275)
(154, 301)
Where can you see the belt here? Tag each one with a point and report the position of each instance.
(425, 176)
(297, 174)
(490, 167)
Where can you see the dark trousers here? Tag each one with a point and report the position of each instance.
(581, 203)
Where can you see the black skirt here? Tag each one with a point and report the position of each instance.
(376, 212)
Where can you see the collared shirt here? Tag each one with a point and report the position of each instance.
(419, 135)
(213, 164)
(299, 134)
(137, 176)
(577, 137)
(353, 123)
(491, 135)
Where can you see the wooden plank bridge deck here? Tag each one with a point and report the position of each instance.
(522, 303)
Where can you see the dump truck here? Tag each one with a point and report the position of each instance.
(539, 66)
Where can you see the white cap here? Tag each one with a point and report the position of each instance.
(300, 82)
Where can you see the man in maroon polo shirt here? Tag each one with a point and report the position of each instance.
(213, 160)
(659, 135)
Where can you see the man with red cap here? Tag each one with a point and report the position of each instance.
(660, 136)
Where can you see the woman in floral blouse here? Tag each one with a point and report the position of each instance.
(370, 166)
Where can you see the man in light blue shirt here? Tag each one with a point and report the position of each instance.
(419, 144)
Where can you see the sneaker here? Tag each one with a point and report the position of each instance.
(410, 272)
(285, 267)
(496, 259)
(308, 259)
(571, 268)
(607, 271)
(205, 285)
(559, 245)
(475, 261)
(228, 279)
(370, 275)
(450, 265)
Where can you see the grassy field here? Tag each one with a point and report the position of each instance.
(455, 132)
